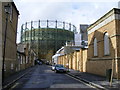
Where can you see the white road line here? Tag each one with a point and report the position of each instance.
(14, 85)
(81, 81)
(16, 79)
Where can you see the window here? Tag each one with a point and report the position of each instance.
(11, 13)
(12, 66)
(95, 47)
(21, 61)
(16, 69)
(106, 44)
(4, 67)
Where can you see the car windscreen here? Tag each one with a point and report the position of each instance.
(59, 65)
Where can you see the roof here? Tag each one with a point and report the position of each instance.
(21, 52)
(60, 50)
(21, 47)
(56, 55)
(15, 8)
(69, 49)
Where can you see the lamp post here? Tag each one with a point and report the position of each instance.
(7, 9)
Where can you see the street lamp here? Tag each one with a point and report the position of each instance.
(7, 9)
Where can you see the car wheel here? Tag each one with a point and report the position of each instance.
(56, 71)
(65, 72)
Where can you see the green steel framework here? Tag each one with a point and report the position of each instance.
(46, 37)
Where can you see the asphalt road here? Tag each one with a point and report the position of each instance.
(43, 77)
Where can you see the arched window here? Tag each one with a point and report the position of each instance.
(106, 44)
(95, 47)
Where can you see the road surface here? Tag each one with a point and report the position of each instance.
(41, 76)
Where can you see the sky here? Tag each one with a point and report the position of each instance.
(72, 11)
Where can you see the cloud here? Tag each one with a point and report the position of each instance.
(68, 0)
(71, 12)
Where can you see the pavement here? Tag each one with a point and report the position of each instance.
(95, 80)
(16, 76)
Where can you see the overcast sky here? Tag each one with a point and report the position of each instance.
(75, 12)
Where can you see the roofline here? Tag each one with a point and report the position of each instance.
(112, 11)
(21, 52)
(15, 8)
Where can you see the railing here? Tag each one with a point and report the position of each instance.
(47, 24)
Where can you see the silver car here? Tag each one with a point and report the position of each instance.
(60, 68)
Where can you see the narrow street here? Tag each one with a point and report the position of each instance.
(42, 76)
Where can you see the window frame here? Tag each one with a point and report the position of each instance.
(106, 44)
(11, 13)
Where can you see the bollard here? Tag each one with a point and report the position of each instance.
(108, 74)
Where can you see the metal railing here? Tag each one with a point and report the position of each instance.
(47, 24)
(31, 33)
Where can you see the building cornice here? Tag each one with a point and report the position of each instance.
(114, 14)
(15, 8)
(102, 59)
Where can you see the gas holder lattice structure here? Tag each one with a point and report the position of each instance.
(46, 36)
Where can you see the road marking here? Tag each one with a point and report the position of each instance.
(14, 85)
(9, 84)
(81, 81)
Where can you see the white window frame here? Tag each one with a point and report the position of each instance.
(21, 61)
(12, 66)
(106, 44)
(11, 13)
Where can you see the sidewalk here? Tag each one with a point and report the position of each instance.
(11, 79)
(95, 80)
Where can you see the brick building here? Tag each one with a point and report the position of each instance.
(103, 44)
(25, 56)
(10, 48)
(103, 52)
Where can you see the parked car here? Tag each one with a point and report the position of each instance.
(39, 62)
(53, 67)
(47, 63)
(60, 68)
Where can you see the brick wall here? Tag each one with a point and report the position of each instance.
(75, 60)
(99, 64)
(11, 48)
(85, 61)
